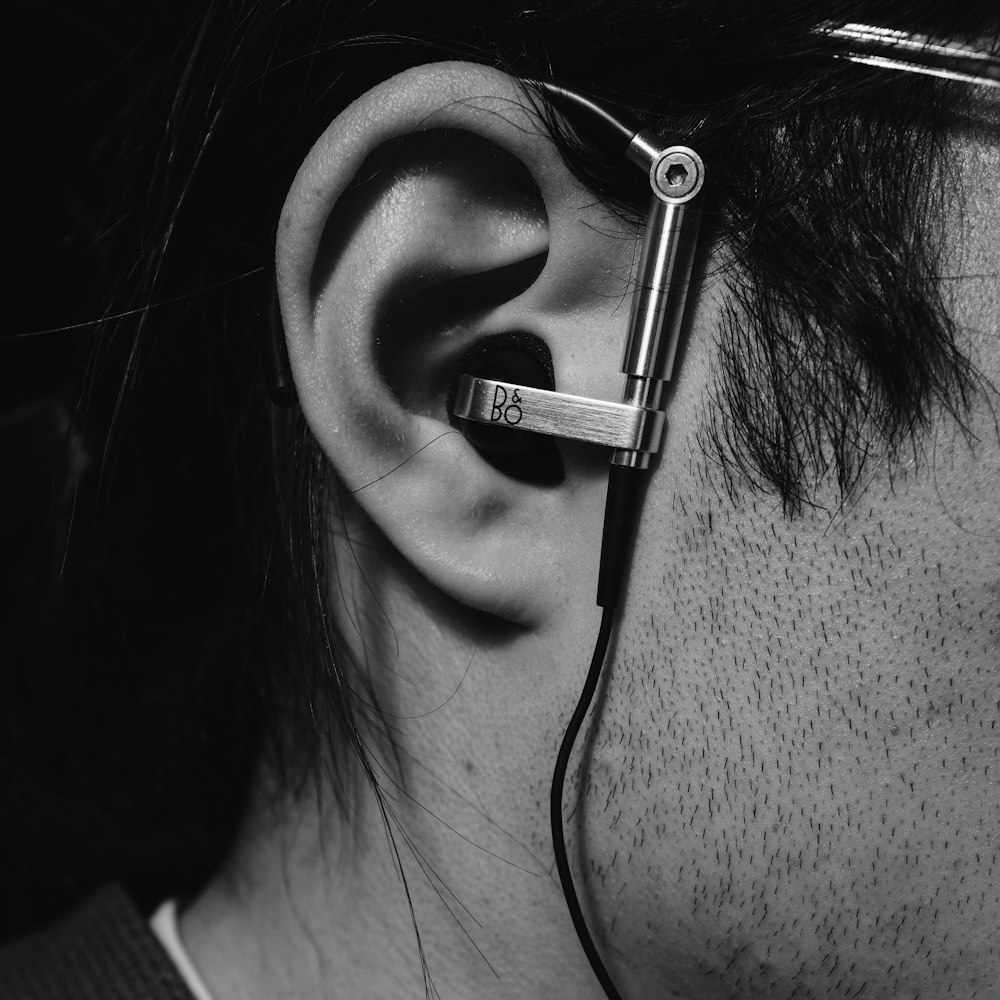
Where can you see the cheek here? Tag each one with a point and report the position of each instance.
(797, 768)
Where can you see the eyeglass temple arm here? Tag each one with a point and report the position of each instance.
(909, 52)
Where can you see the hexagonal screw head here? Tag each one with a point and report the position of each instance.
(677, 174)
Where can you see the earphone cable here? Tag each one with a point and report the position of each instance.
(556, 804)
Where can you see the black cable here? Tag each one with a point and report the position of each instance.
(621, 514)
(608, 131)
(556, 804)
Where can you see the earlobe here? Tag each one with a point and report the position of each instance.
(423, 223)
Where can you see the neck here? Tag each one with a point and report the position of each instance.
(312, 904)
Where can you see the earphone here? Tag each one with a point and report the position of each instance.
(633, 428)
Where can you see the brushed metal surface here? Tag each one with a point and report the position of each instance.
(578, 418)
(661, 291)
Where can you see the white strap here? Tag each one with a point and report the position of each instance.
(164, 926)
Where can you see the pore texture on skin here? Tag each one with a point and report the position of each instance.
(795, 780)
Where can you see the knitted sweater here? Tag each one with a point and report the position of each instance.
(103, 951)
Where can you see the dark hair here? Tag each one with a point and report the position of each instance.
(180, 633)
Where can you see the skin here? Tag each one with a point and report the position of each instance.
(791, 789)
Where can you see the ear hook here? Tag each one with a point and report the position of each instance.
(634, 427)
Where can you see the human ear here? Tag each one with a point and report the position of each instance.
(432, 217)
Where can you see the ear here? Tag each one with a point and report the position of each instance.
(435, 213)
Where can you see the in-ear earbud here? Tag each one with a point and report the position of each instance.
(523, 360)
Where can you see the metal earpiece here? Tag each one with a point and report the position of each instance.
(622, 426)
(633, 427)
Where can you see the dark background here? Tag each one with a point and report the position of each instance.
(73, 70)
(76, 71)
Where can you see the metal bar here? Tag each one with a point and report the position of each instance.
(541, 411)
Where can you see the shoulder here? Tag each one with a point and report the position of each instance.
(104, 950)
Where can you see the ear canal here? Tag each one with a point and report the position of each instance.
(524, 359)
